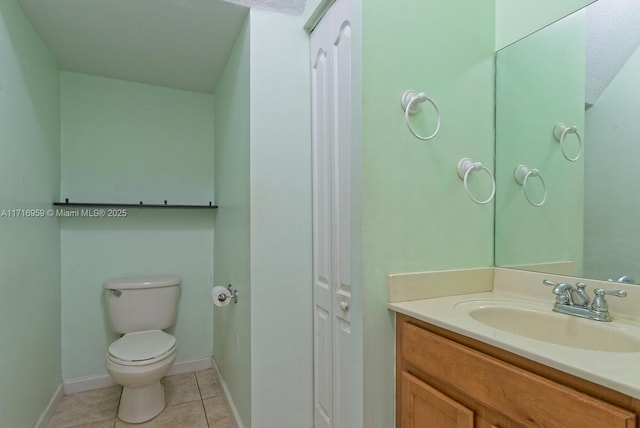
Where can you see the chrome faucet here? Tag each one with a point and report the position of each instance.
(625, 279)
(575, 300)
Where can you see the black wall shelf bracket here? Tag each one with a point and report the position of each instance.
(68, 203)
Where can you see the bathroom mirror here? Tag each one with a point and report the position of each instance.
(571, 216)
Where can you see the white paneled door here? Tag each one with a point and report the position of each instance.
(331, 128)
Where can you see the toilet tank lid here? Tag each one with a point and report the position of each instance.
(150, 281)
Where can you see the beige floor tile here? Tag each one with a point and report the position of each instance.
(194, 400)
(180, 389)
(217, 412)
(103, 424)
(186, 415)
(86, 408)
(208, 383)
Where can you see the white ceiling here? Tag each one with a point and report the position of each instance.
(612, 36)
(181, 44)
(289, 7)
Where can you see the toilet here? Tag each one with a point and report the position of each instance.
(139, 308)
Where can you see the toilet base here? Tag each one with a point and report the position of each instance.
(142, 393)
(141, 404)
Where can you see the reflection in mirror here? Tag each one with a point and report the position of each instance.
(587, 225)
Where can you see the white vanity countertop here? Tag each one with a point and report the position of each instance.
(619, 371)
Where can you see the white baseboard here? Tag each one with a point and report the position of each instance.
(73, 386)
(190, 366)
(48, 411)
(82, 384)
(237, 422)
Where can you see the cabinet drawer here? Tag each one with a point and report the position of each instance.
(526, 398)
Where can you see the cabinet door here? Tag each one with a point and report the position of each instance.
(481, 423)
(423, 406)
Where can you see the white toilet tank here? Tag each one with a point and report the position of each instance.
(142, 303)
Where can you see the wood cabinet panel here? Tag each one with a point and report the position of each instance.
(425, 406)
(481, 423)
(522, 396)
(518, 397)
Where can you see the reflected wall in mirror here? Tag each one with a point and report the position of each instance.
(587, 225)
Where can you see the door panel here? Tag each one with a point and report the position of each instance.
(322, 232)
(331, 139)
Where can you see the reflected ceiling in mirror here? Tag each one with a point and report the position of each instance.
(586, 226)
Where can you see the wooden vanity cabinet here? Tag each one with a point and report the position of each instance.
(446, 380)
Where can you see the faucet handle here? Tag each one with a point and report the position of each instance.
(558, 287)
(600, 303)
(603, 292)
(561, 290)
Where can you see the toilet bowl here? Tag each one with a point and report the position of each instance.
(139, 308)
(138, 361)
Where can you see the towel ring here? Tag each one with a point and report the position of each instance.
(522, 174)
(560, 132)
(411, 104)
(465, 167)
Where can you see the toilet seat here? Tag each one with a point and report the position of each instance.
(142, 348)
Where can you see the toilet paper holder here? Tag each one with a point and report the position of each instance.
(232, 291)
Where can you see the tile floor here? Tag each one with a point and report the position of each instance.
(194, 400)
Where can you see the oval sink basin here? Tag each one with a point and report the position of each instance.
(556, 328)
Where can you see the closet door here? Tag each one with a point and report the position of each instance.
(331, 129)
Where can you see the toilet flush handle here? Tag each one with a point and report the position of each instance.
(117, 293)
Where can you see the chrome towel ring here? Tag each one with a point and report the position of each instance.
(411, 104)
(560, 132)
(465, 167)
(522, 175)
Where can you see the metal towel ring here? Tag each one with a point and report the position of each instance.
(560, 132)
(411, 104)
(522, 174)
(465, 167)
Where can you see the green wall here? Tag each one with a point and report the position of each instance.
(415, 213)
(232, 324)
(127, 142)
(30, 254)
(263, 345)
(611, 248)
(280, 158)
(540, 82)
